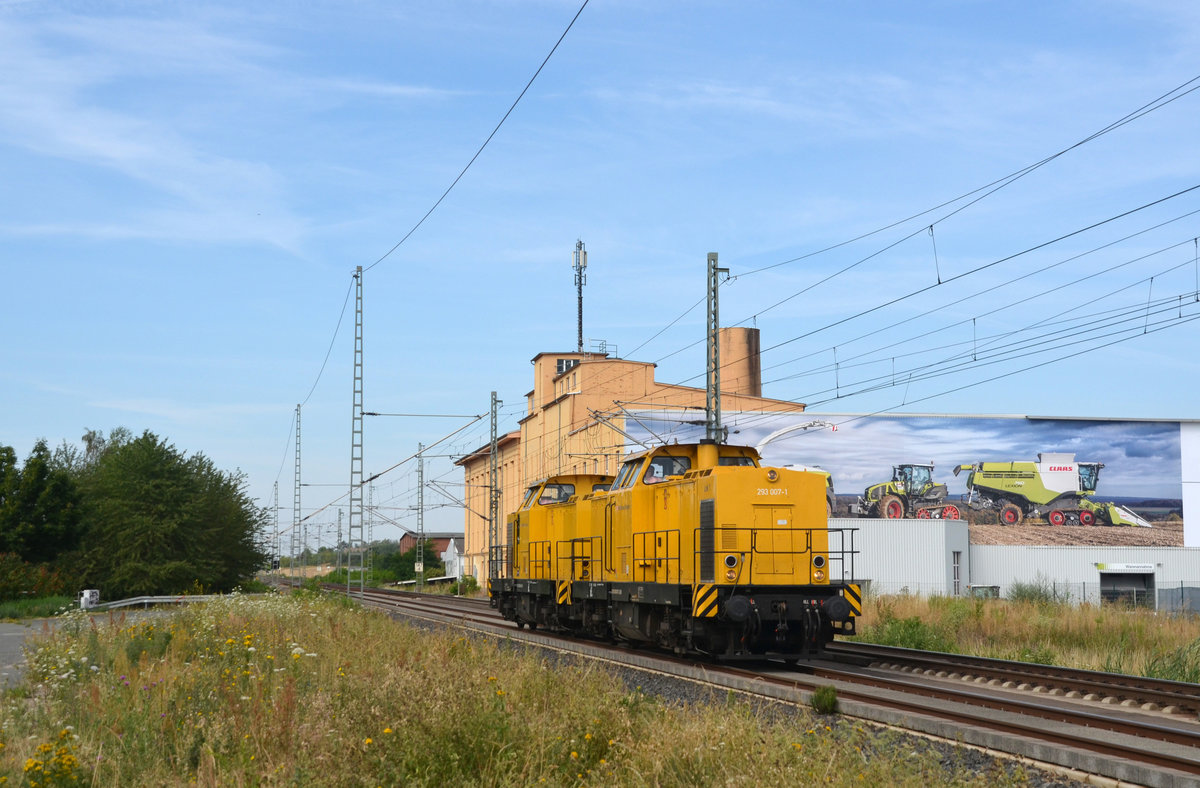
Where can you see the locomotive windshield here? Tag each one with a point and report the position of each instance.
(663, 466)
(530, 496)
(627, 474)
(556, 493)
(743, 461)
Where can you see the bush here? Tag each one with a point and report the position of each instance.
(465, 587)
(1039, 591)
(824, 700)
(19, 580)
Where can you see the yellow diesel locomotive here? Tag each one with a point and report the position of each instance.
(696, 548)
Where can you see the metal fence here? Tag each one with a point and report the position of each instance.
(1177, 597)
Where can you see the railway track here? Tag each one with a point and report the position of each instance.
(1124, 728)
(1106, 689)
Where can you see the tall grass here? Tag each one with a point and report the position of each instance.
(1038, 627)
(39, 607)
(305, 691)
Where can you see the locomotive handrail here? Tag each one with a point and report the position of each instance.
(538, 559)
(576, 563)
(648, 563)
(746, 570)
(607, 546)
(497, 561)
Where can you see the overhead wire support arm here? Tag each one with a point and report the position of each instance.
(642, 424)
(607, 421)
(475, 416)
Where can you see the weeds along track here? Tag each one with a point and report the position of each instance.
(1124, 728)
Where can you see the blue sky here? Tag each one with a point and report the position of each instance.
(189, 186)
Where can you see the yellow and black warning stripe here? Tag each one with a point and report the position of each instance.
(704, 601)
(564, 592)
(853, 594)
(489, 587)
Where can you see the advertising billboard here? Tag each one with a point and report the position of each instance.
(1143, 462)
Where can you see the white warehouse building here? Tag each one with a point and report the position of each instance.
(935, 557)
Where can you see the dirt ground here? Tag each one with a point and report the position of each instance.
(1163, 534)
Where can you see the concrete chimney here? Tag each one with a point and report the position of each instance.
(741, 367)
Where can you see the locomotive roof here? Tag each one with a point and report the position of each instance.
(692, 448)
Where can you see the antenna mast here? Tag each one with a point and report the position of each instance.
(580, 266)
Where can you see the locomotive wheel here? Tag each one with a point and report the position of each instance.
(1010, 514)
(1057, 517)
(1086, 517)
(951, 513)
(890, 508)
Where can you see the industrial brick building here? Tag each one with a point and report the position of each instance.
(577, 417)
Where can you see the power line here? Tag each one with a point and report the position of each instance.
(485, 142)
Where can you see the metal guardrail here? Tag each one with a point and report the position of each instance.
(147, 601)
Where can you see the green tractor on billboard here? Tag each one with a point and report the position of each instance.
(911, 493)
(1056, 487)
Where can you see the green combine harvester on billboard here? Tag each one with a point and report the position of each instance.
(912, 492)
(1056, 487)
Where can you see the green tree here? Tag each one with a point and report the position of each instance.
(403, 564)
(160, 522)
(39, 507)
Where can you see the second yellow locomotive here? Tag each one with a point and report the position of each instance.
(693, 547)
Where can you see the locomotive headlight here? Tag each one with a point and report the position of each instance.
(772, 475)
(731, 561)
(818, 575)
(818, 561)
(730, 575)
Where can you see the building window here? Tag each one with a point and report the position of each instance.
(957, 564)
(563, 364)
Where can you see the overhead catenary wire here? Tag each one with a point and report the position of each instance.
(992, 310)
(434, 207)
(956, 277)
(460, 175)
(1163, 100)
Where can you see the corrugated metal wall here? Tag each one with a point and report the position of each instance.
(909, 556)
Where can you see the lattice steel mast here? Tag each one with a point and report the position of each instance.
(355, 547)
(712, 388)
(493, 496)
(419, 566)
(295, 540)
(276, 547)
